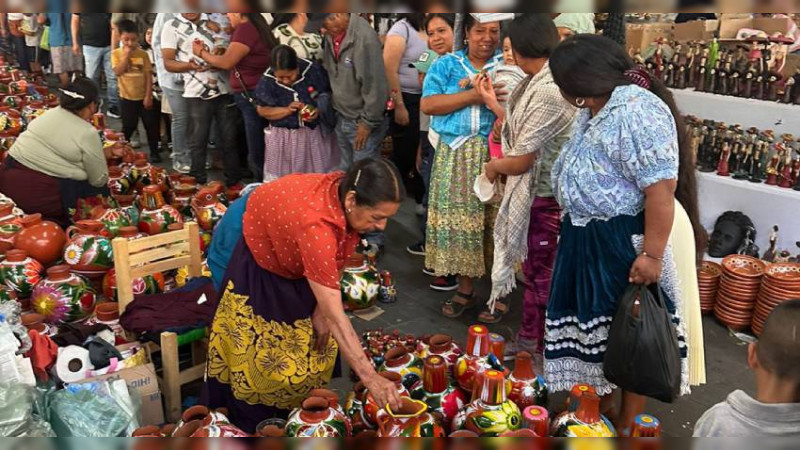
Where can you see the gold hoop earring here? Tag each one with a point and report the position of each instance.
(581, 102)
(349, 211)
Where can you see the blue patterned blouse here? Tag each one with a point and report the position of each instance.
(443, 78)
(611, 158)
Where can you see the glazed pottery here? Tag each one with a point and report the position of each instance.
(360, 284)
(646, 426)
(521, 433)
(199, 421)
(271, 428)
(372, 410)
(207, 209)
(142, 174)
(112, 218)
(156, 215)
(20, 273)
(219, 190)
(10, 226)
(63, 297)
(497, 346)
(411, 420)
(43, 240)
(127, 206)
(441, 345)
(490, 413)
(463, 434)
(316, 418)
(119, 183)
(474, 359)
(536, 418)
(405, 363)
(586, 421)
(354, 408)
(331, 396)
(443, 399)
(147, 285)
(182, 197)
(527, 388)
(151, 431)
(33, 321)
(88, 251)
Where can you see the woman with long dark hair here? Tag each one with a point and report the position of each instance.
(617, 181)
(247, 57)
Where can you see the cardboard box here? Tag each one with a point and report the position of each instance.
(697, 30)
(141, 381)
(729, 28)
(639, 36)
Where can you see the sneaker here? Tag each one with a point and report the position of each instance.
(113, 112)
(181, 168)
(445, 284)
(416, 249)
(135, 140)
(429, 272)
(420, 210)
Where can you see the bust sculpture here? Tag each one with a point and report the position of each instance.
(729, 234)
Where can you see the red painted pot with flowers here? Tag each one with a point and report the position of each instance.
(88, 250)
(63, 297)
(156, 215)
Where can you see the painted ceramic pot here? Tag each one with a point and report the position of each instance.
(354, 408)
(11, 121)
(646, 426)
(199, 421)
(411, 420)
(148, 285)
(182, 199)
(536, 418)
(142, 174)
(316, 418)
(119, 182)
(63, 297)
(88, 250)
(527, 388)
(10, 226)
(20, 273)
(441, 345)
(33, 110)
(207, 209)
(490, 413)
(443, 399)
(219, 190)
(405, 363)
(372, 410)
(586, 421)
(273, 428)
(112, 218)
(43, 240)
(131, 233)
(474, 361)
(127, 206)
(156, 215)
(182, 275)
(360, 284)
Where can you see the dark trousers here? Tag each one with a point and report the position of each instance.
(405, 141)
(428, 153)
(254, 132)
(223, 110)
(133, 110)
(21, 52)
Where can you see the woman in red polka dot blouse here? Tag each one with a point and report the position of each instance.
(271, 337)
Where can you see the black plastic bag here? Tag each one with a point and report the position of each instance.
(643, 356)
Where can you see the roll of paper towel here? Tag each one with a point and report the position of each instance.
(73, 364)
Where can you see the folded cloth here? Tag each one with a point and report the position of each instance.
(70, 334)
(179, 308)
(101, 353)
(43, 354)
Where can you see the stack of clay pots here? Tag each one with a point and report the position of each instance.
(739, 286)
(781, 282)
(708, 278)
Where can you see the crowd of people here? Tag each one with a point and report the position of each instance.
(591, 183)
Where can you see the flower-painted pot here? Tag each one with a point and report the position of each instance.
(354, 408)
(474, 360)
(88, 250)
(147, 285)
(207, 209)
(119, 182)
(490, 414)
(63, 297)
(443, 399)
(112, 218)
(316, 418)
(406, 364)
(127, 206)
(586, 421)
(372, 410)
(156, 215)
(43, 240)
(199, 421)
(441, 345)
(411, 420)
(20, 273)
(527, 388)
(360, 284)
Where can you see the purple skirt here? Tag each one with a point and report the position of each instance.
(303, 150)
(261, 362)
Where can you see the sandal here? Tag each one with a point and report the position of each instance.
(455, 307)
(501, 308)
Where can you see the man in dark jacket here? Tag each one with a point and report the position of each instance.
(353, 58)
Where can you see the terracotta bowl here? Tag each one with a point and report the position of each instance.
(728, 278)
(709, 270)
(779, 294)
(737, 293)
(744, 266)
(733, 312)
(788, 273)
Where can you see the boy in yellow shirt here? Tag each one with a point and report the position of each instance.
(135, 80)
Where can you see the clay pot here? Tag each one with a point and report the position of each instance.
(360, 284)
(405, 363)
(119, 182)
(441, 345)
(127, 206)
(372, 410)
(156, 215)
(522, 433)
(33, 321)
(316, 418)
(443, 399)
(63, 297)
(20, 273)
(182, 199)
(354, 408)
(587, 418)
(141, 174)
(411, 420)
(147, 285)
(131, 233)
(575, 394)
(107, 312)
(207, 209)
(199, 421)
(463, 434)
(10, 226)
(271, 428)
(527, 388)
(497, 346)
(88, 251)
(474, 360)
(6, 294)
(112, 218)
(43, 240)
(536, 418)
(219, 190)
(645, 426)
(744, 266)
(490, 413)
(149, 431)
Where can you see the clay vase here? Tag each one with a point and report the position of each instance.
(199, 421)
(405, 363)
(271, 428)
(586, 421)
(119, 183)
(112, 218)
(10, 226)
(354, 408)
(646, 426)
(372, 410)
(182, 199)
(20, 273)
(360, 284)
(411, 420)
(443, 399)
(316, 418)
(219, 190)
(33, 321)
(63, 297)
(147, 285)
(536, 418)
(43, 240)
(88, 251)
(490, 413)
(527, 389)
(474, 360)
(127, 206)
(521, 433)
(141, 174)
(156, 215)
(207, 209)
(131, 233)
(441, 345)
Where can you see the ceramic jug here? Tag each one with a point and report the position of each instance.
(372, 410)
(43, 240)
(410, 421)
(316, 418)
(586, 421)
(443, 399)
(63, 297)
(207, 209)
(10, 226)
(119, 183)
(360, 284)
(405, 363)
(441, 345)
(527, 388)
(646, 426)
(536, 418)
(157, 215)
(474, 360)
(199, 421)
(20, 273)
(127, 206)
(354, 408)
(88, 250)
(490, 413)
(112, 218)
(182, 197)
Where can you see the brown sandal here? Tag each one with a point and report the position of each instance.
(501, 308)
(455, 307)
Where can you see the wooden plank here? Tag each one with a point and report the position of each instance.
(159, 253)
(173, 237)
(194, 373)
(171, 388)
(199, 352)
(196, 264)
(161, 266)
(122, 267)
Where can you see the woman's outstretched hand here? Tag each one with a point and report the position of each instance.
(383, 391)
